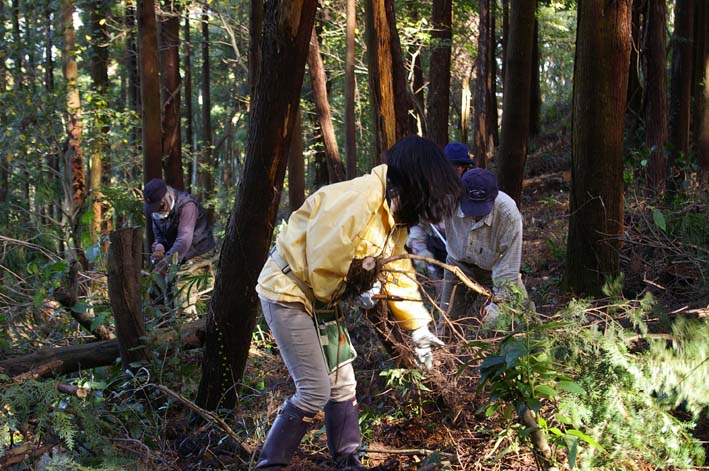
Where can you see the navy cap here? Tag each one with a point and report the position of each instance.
(458, 153)
(153, 193)
(480, 192)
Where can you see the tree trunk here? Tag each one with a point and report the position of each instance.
(505, 39)
(535, 96)
(335, 168)
(481, 144)
(440, 71)
(296, 166)
(656, 95)
(704, 133)
(99, 76)
(206, 178)
(350, 88)
(387, 77)
(188, 100)
(698, 77)
(600, 94)
(131, 58)
(17, 53)
(680, 90)
(149, 91)
(465, 108)
(635, 90)
(53, 361)
(4, 162)
(515, 112)
(232, 311)
(416, 80)
(492, 97)
(170, 51)
(124, 264)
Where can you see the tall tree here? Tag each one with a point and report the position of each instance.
(600, 92)
(703, 147)
(700, 48)
(655, 94)
(535, 95)
(492, 126)
(515, 111)
(149, 92)
(73, 154)
(232, 311)
(170, 51)
(483, 144)
(17, 54)
(335, 167)
(635, 91)
(680, 88)
(387, 77)
(131, 61)
(4, 161)
(296, 166)
(416, 80)
(350, 129)
(99, 77)
(206, 179)
(189, 129)
(439, 75)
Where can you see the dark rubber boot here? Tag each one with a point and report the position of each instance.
(284, 437)
(343, 436)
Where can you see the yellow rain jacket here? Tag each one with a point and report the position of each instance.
(337, 224)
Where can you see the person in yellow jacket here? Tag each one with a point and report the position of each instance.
(368, 216)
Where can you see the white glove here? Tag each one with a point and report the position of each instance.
(492, 314)
(420, 264)
(366, 299)
(423, 340)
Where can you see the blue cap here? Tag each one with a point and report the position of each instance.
(458, 153)
(480, 192)
(153, 192)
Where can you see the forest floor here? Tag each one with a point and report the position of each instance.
(405, 427)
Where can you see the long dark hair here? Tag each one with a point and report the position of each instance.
(426, 183)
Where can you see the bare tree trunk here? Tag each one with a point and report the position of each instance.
(440, 72)
(188, 99)
(171, 137)
(206, 187)
(482, 146)
(4, 162)
(680, 90)
(99, 76)
(124, 264)
(465, 109)
(296, 166)
(635, 90)
(704, 133)
(131, 57)
(73, 154)
(492, 126)
(335, 168)
(149, 92)
(515, 113)
(232, 311)
(600, 94)
(656, 95)
(350, 86)
(698, 77)
(417, 119)
(505, 39)
(535, 96)
(387, 77)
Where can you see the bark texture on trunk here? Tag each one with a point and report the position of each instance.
(656, 95)
(189, 127)
(296, 166)
(124, 265)
(704, 132)
(350, 84)
(149, 90)
(600, 94)
(171, 86)
(515, 112)
(483, 142)
(287, 26)
(440, 72)
(387, 79)
(680, 89)
(335, 167)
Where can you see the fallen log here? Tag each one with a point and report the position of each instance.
(22, 452)
(63, 360)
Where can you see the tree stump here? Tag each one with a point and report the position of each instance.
(124, 264)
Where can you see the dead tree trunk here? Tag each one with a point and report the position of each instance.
(124, 264)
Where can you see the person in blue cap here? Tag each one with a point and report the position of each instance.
(428, 240)
(485, 242)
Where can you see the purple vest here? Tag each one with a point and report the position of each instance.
(166, 229)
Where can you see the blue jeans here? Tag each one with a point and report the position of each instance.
(299, 344)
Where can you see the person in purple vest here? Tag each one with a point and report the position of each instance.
(182, 232)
